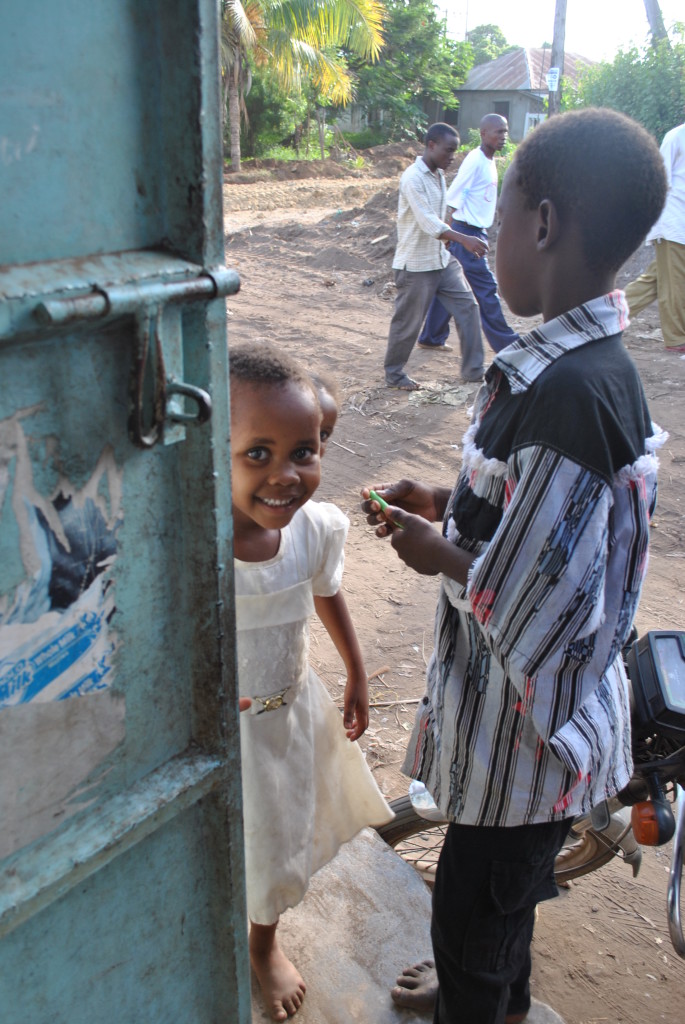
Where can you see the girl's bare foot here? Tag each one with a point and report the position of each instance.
(417, 987)
(281, 983)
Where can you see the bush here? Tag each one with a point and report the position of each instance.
(366, 139)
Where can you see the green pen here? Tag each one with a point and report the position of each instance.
(384, 505)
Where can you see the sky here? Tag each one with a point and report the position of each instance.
(594, 28)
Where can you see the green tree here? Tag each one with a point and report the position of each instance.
(273, 115)
(649, 85)
(418, 64)
(297, 39)
(488, 42)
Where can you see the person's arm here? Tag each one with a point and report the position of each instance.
(470, 242)
(335, 616)
(539, 587)
(419, 201)
(411, 507)
(424, 549)
(668, 154)
(432, 225)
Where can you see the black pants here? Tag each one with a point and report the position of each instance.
(487, 885)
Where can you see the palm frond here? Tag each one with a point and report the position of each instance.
(355, 23)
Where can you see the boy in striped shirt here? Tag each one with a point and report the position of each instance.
(525, 722)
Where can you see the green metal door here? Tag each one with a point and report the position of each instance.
(121, 857)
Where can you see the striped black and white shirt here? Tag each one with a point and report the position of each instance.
(526, 715)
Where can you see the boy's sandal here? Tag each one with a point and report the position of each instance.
(406, 384)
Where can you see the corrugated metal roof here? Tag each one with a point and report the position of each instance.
(524, 68)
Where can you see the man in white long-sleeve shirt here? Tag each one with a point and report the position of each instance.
(424, 267)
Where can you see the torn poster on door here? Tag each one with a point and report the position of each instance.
(56, 639)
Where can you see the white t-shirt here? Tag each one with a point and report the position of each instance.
(473, 193)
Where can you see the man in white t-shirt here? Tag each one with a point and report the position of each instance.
(473, 198)
(664, 278)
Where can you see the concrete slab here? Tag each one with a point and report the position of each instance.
(365, 917)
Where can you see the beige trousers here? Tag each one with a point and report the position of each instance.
(664, 280)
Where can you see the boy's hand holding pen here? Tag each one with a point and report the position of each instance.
(406, 495)
(383, 508)
(406, 511)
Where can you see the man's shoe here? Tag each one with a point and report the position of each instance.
(434, 348)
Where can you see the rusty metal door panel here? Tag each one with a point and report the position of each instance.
(121, 856)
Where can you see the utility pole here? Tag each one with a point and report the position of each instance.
(656, 21)
(554, 95)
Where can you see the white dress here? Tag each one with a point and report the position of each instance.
(306, 788)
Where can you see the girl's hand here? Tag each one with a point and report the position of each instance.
(356, 709)
(410, 495)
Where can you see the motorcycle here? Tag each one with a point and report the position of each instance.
(640, 815)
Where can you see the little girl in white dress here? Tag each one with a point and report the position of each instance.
(306, 787)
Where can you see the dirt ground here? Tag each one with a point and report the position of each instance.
(314, 256)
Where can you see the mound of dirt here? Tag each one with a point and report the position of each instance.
(361, 239)
(379, 162)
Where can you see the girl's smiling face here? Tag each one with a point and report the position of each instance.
(275, 462)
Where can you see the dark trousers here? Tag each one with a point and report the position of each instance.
(487, 885)
(477, 272)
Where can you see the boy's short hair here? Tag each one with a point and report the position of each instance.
(600, 169)
(266, 364)
(439, 130)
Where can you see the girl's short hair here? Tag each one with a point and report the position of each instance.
(266, 364)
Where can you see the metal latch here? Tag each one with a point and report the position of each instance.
(154, 304)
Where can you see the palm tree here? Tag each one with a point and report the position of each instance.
(297, 38)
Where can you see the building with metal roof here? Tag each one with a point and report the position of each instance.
(515, 86)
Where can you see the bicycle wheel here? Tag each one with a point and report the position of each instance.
(419, 842)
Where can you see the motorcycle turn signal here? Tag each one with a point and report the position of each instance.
(653, 822)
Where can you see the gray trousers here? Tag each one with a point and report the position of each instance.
(415, 292)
